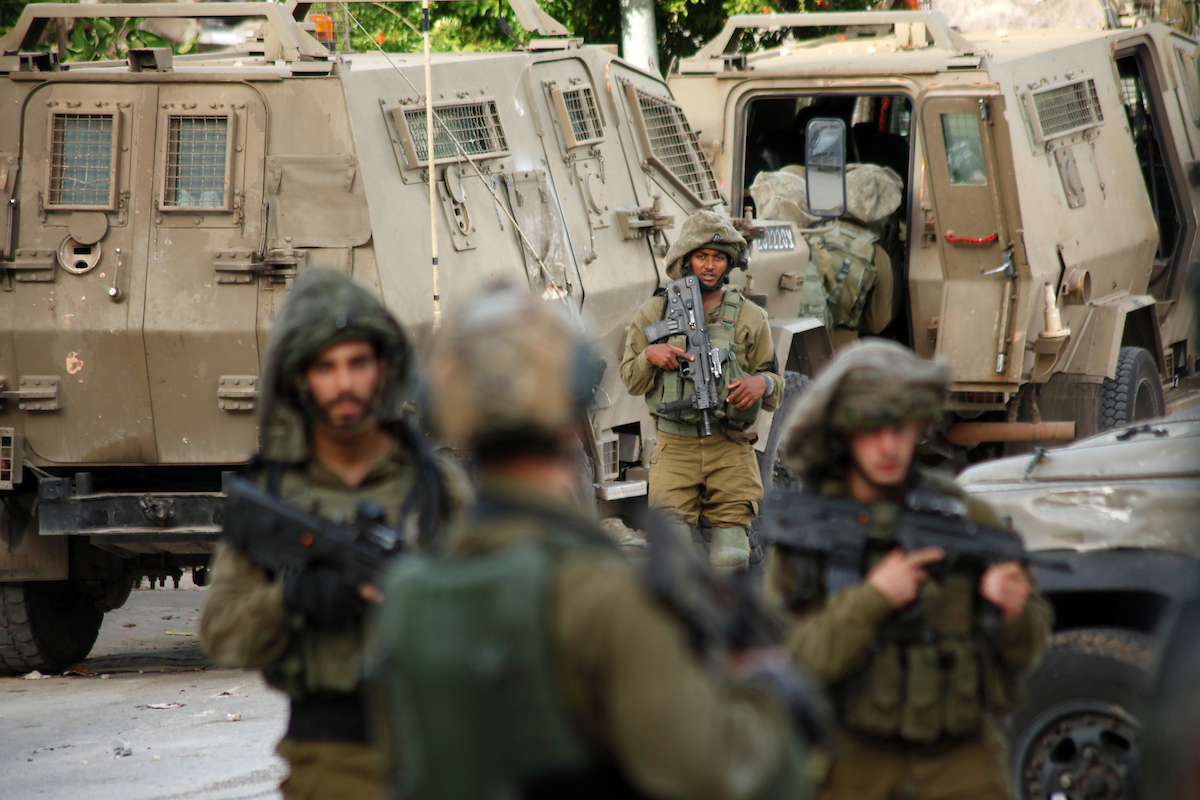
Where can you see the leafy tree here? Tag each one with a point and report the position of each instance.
(684, 26)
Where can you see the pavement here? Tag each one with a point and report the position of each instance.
(150, 692)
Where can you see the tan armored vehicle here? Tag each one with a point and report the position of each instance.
(155, 210)
(1049, 206)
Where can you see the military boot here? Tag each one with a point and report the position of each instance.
(681, 532)
(730, 548)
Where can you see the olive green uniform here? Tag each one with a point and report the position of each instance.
(245, 624)
(914, 695)
(616, 704)
(692, 474)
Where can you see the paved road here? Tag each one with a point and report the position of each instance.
(58, 734)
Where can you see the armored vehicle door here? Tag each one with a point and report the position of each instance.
(968, 200)
(201, 293)
(77, 278)
(584, 156)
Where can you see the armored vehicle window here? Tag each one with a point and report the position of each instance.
(81, 163)
(665, 132)
(474, 129)
(964, 151)
(197, 159)
(578, 116)
(1066, 109)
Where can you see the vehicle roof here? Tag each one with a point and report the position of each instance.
(874, 49)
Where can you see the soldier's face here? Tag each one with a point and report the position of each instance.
(343, 381)
(883, 455)
(709, 266)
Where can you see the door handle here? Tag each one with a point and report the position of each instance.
(1005, 267)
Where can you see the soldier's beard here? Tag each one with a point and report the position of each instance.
(364, 417)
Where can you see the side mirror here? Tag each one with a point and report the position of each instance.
(825, 167)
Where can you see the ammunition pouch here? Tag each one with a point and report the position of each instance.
(845, 259)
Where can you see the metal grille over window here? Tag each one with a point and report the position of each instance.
(81, 160)
(476, 126)
(674, 145)
(196, 159)
(1069, 108)
(581, 110)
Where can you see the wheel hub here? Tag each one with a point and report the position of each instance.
(1080, 752)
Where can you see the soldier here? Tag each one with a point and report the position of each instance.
(690, 473)
(333, 436)
(531, 661)
(912, 667)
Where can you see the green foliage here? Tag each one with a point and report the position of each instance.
(684, 26)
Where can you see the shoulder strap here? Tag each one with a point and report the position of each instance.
(428, 497)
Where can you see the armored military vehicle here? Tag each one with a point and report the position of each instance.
(1049, 209)
(156, 209)
(1123, 506)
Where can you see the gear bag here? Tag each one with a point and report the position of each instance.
(845, 258)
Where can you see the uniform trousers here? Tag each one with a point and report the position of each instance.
(714, 475)
(973, 769)
(324, 769)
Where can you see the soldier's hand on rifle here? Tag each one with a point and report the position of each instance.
(744, 391)
(899, 575)
(370, 593)
(327, 596)
(666, 356)
(1007, 587)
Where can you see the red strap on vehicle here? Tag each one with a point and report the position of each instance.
(967, 240)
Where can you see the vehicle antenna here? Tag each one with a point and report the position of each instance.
(437, 301)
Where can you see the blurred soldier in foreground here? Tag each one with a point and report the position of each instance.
(531, 661)
(915, 663)
(692, 473)
(333, 436)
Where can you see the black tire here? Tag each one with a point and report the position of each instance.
(1135, 393)
(1078, 731)
(47, 626)
(774, 471)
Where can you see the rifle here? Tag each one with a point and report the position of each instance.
(838, 532)
(684, 315)
(723, 615)
(280, 537)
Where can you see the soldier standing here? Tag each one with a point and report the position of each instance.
(531, 661)
(333, 435)
(691, 473)
(913, 671)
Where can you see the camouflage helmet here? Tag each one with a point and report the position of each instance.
(322, 309)
(873, 192)
(706, 229)
(868, 384)
(510, 371)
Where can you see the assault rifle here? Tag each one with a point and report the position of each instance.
(723, 615)
(279, 536)
(838, 532)
(684, 315)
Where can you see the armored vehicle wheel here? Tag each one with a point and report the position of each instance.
(1077, 734)
(1135, 393)
(47, 626)
(775, 472)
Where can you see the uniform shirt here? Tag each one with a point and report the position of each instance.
(834, 639)
(752, 333)
(629, 676)
(245, 622)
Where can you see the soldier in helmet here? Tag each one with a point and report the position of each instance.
(530, 661)
(333, 435)
(916, 664)
(716, 475)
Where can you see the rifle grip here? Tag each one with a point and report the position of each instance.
(676, 405)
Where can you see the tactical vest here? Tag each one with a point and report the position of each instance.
(670, 386)
(318, 661)
(468, 659)
(845, 257)
(933, 673)
(814, 299)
